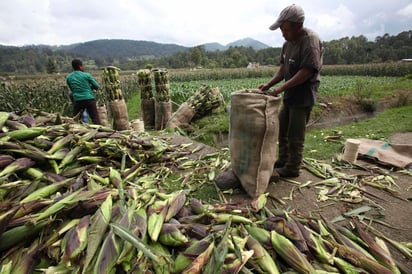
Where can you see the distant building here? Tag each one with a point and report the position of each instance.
(253, 65)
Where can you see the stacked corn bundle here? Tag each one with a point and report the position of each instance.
(117, 104)
(163, 105)
(80, 198)
(147, 103)
(204, 101)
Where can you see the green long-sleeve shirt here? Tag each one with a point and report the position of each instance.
(81, 85)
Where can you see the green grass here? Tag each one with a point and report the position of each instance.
(380, 127)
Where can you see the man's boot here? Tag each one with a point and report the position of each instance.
(292, 166)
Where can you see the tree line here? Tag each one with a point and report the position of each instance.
(347, 50)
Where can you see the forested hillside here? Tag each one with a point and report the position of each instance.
(133, 55)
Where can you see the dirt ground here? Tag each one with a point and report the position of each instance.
(391, 215)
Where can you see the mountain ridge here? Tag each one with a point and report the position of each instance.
(136, 49)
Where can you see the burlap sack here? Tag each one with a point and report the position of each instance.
(163, 111)
(102, 113)
(147, 107)
(253, 134)
(120, 115)
(183, 115)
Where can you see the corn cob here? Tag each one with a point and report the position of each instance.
(259, 202)
(18, 235)
(379, 253)
(4, 116)
(197, 264)
(287, 250)
(17, 165)
(358, 259)
(25, 133)
(262, 256)
(170, 235)
(185, 258)
(75, 240)
(164, 265)
(107, 257)
(70, 156)
(5, 160)
(135, 241)
(59, 144)
(45, 191)
(69, 200)
(14, 125)
(98, 227)
(154, 225)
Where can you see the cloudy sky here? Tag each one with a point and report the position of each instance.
(191, 22)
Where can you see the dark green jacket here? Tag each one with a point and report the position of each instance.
(81, 85)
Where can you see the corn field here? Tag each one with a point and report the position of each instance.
(50, 93)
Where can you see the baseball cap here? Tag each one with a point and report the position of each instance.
(292, 13)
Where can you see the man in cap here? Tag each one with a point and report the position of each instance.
(300, 64)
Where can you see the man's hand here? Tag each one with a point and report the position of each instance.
(263, 87)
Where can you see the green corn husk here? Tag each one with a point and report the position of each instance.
(186, 257)
(224, 217)
(4, 116)
(175, 204)
(46, 191)
(234, 263)
(358, 259)
(262, 256)
(107, 257)
(35, 173)
(162, 86)
(70, 156)
(145, 84)
(378, 252)
(17, 165)
(60, 143)
(325, 257)
(135, 241)
(25, 133)
(76, 240)
(198, 263)
(164, 265)
(20, 234)
(25, 261)
(5, 160)
(67, 201)
(260, 234)
(287, 250)
(402, 247)
(6, 217)
(111, 79)
(155, 223)
(217, 260)
(170, 235)
(99, 224)
(259, 202)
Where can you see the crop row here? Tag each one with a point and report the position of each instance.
(50, 93)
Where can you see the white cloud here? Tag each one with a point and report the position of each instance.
(188, 22)
(406, 11)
